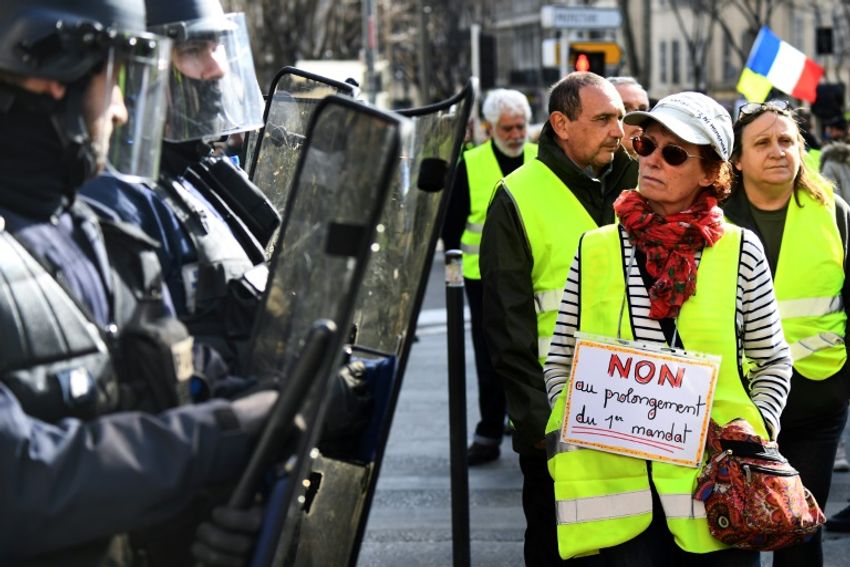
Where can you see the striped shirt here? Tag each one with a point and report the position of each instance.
(758, 328)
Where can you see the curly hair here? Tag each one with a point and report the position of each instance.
(722, 186)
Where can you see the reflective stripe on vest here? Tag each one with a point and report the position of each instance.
(706, 324)
(814, 344)
(595, 508)
(682, 506)
(483, 174)
(553, 220)
(813, 316)
(613, 506)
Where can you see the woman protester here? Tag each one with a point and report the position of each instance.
(802, 225)
(673, 273)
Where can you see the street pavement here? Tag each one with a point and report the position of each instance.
(410, 519)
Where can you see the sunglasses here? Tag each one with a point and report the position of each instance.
(753, 109)
(672, 154)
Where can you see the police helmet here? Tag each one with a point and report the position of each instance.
(71, 41)
(213, 89)
(62, 39)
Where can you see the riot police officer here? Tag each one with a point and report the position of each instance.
(83, 315)
(213, 263)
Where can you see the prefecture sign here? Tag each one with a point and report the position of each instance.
(574, 17)
(640, 401)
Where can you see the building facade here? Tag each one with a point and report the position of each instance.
(669, 45)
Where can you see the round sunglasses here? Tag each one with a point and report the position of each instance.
(672, 154)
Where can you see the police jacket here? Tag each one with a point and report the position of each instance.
(73, 288)
(510, 320)
(215, 285)
(66, 483)
(808, 397)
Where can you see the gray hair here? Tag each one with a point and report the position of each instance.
(501, 101)
(624, 81)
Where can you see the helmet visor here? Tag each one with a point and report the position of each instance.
(136, 76)
(213, 89)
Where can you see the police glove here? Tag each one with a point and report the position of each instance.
(227, 539)
(253, 410)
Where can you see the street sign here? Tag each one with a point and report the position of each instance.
(572, 17)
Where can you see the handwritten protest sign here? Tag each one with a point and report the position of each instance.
(641, 402)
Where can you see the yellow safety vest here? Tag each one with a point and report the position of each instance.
(602, 499)
(483, 173)
(554, 220)
(808, 284)
(812, 158)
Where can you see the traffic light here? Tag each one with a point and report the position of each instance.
(487, 49)
(593, 61)
(829, 101)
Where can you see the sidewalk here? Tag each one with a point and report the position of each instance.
(410, 520)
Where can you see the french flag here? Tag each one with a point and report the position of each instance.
(775, 63)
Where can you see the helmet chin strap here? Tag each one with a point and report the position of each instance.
(79, 157)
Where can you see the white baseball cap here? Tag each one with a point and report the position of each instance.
(692, 116)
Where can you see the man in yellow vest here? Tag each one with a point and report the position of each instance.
(533, 225)
(507, 113)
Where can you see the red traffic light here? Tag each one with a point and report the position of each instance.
(593, 61)
(582, 62)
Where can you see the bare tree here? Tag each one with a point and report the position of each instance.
(631, 43)
(698, 39)
(284, 31)
(756, 13)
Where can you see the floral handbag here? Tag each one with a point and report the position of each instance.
(754, 499)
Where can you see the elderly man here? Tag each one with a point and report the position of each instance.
(533, 226)
(634, 98)
(507, 114)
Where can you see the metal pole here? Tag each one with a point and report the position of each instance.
(475, 49)
(564, 52)
(369, 45)
(457, 408)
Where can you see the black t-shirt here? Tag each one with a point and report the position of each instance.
(771, 224)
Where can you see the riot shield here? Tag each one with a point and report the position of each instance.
(387, 307)
(273, 153)
(340, 188)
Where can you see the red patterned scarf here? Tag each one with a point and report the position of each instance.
(670, 244)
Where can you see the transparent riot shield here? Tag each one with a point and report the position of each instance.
(273, 153)
(333, 520)
(339, 191)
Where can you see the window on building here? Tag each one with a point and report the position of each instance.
(689, 71)
(675, 62)
(662, 61)
(729, 67)
(798, 31)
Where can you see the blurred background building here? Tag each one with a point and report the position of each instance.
(410, 52)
